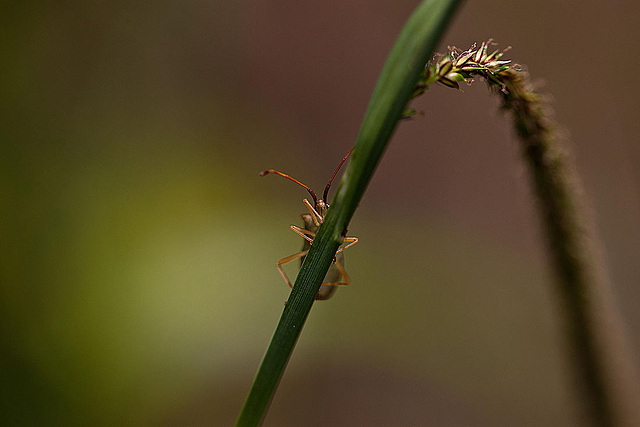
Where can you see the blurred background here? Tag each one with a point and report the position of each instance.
(138, 243)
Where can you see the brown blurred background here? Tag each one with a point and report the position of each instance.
(138, 279)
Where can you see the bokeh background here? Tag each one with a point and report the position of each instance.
(138, 245)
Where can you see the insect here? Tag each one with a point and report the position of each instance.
(336, 275)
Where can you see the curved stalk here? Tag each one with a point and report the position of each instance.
(600, 364)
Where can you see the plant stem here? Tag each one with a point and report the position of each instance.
(599, 360)
(415, 45)
(591, 322)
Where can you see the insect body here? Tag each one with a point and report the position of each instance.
(336, 275)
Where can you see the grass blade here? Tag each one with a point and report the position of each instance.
(412, 50)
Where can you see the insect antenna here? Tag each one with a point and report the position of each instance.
(326, 189)
(284, 175)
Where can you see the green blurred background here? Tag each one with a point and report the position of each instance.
(138, 245)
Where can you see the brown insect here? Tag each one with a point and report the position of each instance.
(336, 276)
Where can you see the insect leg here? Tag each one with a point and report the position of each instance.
(352, 241)
(286, 260)
(305, 234)
(346, 280)
(317, 218)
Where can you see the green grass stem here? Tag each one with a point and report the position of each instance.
(413, 48)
